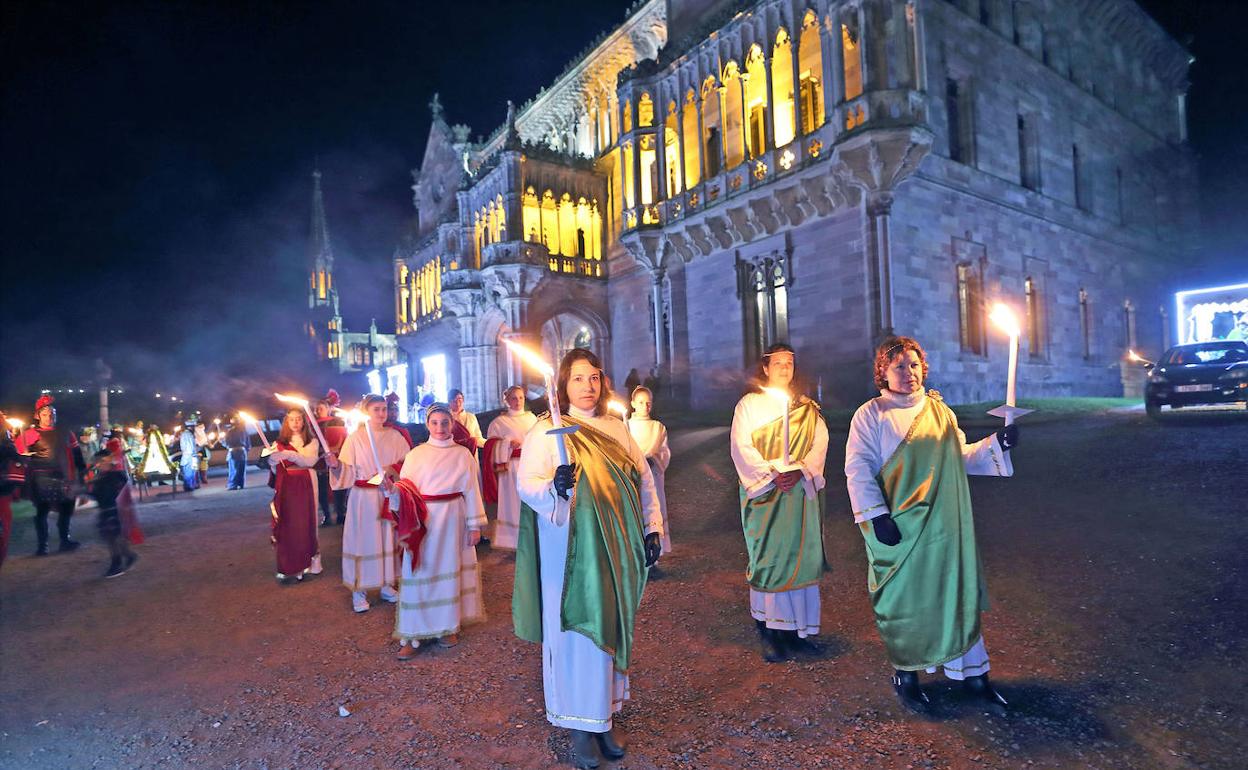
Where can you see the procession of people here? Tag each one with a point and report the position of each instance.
(579, 497)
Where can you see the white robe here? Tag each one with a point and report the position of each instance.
(368, 559)
(878, 428)
(508, 426)
(583, 690)
(797, 610)
(469, 421)
(443, 593)
(651, 438)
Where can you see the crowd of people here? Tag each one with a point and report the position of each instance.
(579, 497)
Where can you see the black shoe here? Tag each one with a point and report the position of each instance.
(341, 520)
(985, 694)
(42, 550)
(655, 573)
(326, 523)
(610, 744)
(906, 685)
(800, 646)
(584, 749)
(131, 559)
(69, 545)
(769, 643)
(115, 569)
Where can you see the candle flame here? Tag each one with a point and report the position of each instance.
(1136, 357)
(778, 393)
(530, 358)
(134, 431)
(618, 406)
(15, 423)
(291, 399)
(1005, 320)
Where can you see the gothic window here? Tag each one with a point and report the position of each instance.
(583, 338)
(782, 89)
(711, 137)
(645, 111)
(810, 73)
(532, 216)
(1028, 153)
(756, 102)
(626, 123)
(648, 175)
(851, 55)
(1085, 324)
(671, 151)
(1036, 341)
(971, 309)
(763, 285)
(689, 139)
(567, 226)
(501, 220)
(550, 223)
(733, 117)
(960, 121)
(626, 174)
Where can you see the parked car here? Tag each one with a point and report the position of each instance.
(1198, 374)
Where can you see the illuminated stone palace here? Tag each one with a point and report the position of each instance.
(711, 177)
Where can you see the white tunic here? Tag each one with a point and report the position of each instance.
(444, 592)
(469, 421)
(797, 610)
(507, 427)
(368, 558)
(878, 428)
(651, 438)
(583, 690)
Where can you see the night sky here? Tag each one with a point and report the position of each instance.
(156, 160)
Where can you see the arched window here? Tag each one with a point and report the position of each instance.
(689, 138)
(645, 111)
(851, 54)
(671, 151)
(733, 117)
(500, 221)
(755, 102)
(712, 133)
(626, 118)
(567, 226)
(550, 222)
(810, 73)
(782, 88)
(532, 215)
(648, 173)
(626, 173)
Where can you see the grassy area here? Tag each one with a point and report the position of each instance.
(975, 415)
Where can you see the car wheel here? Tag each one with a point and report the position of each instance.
(1152, 408)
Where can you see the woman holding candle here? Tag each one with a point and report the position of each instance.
(437, 509)
(651, 437)
(506, 434)
(294, 498)
(779, 444)
(906, 464)
(589, 528)
(368, 553)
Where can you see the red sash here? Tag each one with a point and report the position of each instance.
(411, 516)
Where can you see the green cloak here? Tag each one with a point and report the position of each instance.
(605, 572)
(784, 530)
(927, 590)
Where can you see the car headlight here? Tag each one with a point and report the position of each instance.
(1157, 376)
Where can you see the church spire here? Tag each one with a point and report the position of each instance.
(320, 253)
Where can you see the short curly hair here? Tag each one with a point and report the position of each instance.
(888, 351)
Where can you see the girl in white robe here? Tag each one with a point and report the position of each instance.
(443, 592)
(368, 554)
(651, 438)
(509, 428)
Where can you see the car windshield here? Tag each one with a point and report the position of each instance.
(1208, 353)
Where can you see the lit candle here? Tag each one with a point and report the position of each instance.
(252, 420)
(1004, 318)
(372, 442)
(556, 419)
(303, 402)
(619, 408)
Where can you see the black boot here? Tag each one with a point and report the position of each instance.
(584, 749)
(769, 643)
(985, 694)
(611, 745)
(799, 646)
(41, 533)
(906, 685)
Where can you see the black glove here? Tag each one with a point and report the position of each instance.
(886, 530)
(653, 548)
(1008, 436)
(565, 479)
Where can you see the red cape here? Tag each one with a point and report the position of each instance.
(489, 476)
(409, 519)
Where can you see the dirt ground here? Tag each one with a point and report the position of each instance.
(1115, 560)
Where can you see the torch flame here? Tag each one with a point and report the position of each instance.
(617, 406)
(530, 358)
(777, 393)
(15, 423)
(1005, 320)
(134, 431)
(291, 399)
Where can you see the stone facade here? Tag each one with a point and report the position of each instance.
(823, 173)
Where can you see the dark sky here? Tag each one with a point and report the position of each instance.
(154, 162)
